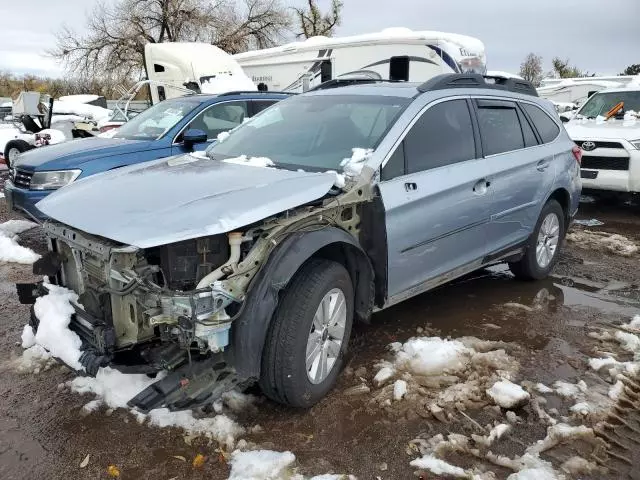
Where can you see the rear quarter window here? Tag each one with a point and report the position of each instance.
(547, 128)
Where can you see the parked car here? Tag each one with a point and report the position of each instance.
(253, 263)
(172, 127)
(607, 128)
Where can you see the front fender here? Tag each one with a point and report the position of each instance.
(250, 328)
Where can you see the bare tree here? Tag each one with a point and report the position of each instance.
(531, 69)
(117, 33)
(313, 22)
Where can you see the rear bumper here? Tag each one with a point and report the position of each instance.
(24, 201)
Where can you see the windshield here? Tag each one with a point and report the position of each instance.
(601, 103)
(314, 132)
(155, 121)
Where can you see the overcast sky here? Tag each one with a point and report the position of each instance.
(600, 36)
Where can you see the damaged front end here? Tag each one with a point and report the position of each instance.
(164, 308)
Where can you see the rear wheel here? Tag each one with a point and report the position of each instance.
(13, 149)
(308, 336)
(543, 246)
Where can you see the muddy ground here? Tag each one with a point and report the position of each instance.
(43, 433)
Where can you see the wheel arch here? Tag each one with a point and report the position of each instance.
(562, 196)
(252, 324)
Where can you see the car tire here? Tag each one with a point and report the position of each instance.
(543, 247)
(14, 147)
(299, 331)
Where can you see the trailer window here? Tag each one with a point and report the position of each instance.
(313, 132)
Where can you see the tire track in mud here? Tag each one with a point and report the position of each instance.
(621, 432)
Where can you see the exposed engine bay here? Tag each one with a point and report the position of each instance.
(169, 307)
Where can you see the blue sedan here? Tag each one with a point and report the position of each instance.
(172, 127)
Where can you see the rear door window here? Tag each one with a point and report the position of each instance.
(499, 127)
(530, 139)
(547, 128)
(442, 135)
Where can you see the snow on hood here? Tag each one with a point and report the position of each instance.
(84, 110)
(581, 128)
(169, 200)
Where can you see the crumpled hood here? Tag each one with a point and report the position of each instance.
(179, 198)
(74, 153)
(616, 129)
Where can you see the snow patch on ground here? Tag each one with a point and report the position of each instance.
(270, 465)
(594, 240)
(10, 251)
(438, 467)
(260, 464)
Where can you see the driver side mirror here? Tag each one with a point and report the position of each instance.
(193, 136)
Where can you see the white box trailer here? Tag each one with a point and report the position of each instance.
(395, 54)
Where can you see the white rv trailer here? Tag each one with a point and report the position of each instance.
(394, 54)
(578, 90)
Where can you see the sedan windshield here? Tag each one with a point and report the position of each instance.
(157, 120)
(314, 132)
(601, 103)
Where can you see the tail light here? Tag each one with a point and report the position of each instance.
(577, 153)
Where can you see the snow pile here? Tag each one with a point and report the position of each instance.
(10, 251)
(439, 374)
(55, 136)
(251, 161)
(352, 167)
(228, 82)
(113, 388)
(507, 394)
(432, 356)
(594, 240)
(54, 312)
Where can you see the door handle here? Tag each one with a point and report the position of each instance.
(410, 186)
(542, 165)
(481, 186)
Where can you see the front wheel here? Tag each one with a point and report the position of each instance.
(13, 149)
(308, 337)
(543, 247)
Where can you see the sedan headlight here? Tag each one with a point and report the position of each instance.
(53, 180)
(635, 143)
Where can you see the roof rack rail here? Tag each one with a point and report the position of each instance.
(475, 80)
(252, 92)
(345, 82)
